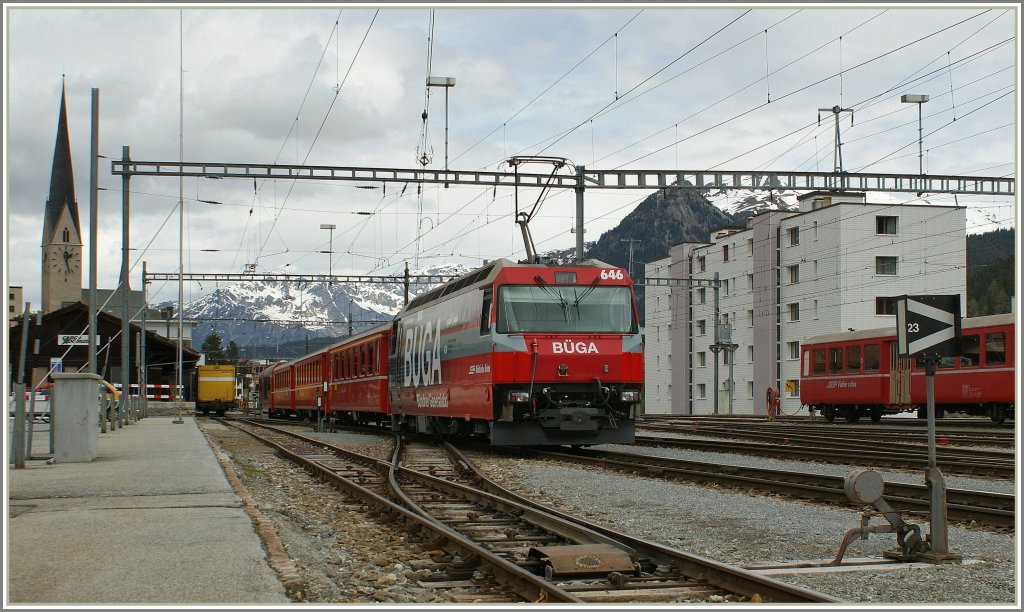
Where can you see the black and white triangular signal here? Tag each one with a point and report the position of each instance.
(928, 324)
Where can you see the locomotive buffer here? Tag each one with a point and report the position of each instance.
(928, 326)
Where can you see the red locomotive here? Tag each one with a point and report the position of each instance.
(858, 373)
(516, 353)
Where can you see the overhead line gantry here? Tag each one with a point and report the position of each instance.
(582, 179)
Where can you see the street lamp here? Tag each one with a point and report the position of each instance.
(330, 247)
(447, 83)
(918, 99)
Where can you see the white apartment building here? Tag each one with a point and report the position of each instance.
(837, 264)
(657, 340)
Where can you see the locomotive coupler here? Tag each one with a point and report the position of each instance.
(865, 487)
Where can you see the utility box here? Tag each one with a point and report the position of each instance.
(75, 417)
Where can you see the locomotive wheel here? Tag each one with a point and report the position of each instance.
(876, 415)
(998, 414)
(853, 417)
(829, 412)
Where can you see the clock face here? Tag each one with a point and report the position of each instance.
(62, 259)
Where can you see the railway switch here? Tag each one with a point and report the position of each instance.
(866, 487)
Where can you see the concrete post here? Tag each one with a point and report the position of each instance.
(74, 422)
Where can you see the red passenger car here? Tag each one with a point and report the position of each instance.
(858, 373)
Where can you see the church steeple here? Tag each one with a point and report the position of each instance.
(62, 235)
(62, 179)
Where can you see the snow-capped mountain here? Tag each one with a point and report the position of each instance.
(743, 203)
(270, 312)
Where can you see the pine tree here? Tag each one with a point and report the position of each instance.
(214, 350)
(233, 352)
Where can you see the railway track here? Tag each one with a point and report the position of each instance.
(894, 422)
(776, 431)
(995, 464)
(537, 552)
(992, 509)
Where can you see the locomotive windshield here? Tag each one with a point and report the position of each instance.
(564, 308)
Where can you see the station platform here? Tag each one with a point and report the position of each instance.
(152, 520)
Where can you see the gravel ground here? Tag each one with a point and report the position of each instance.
(346, 558)
(342, 555)
(741, 529)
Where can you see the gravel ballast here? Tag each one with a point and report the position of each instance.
(349, 560)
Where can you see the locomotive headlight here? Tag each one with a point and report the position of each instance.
(630, 396)
(518, 397)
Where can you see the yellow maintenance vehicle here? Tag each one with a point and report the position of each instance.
(216, 389)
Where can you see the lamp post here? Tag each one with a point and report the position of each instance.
(447, 83)
(330, 247)
(918, 99)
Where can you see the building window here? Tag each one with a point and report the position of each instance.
(701, 327)
(815, 309)
(794, 350)
(725, 285)
(750, 389)
(750, 353)
(794, 311)
(794, 274)
(750, 246)
(885, 305)
(700, 391)
(885, 265)
(815, 230)
(750, 318)
(701, 359)
(700, 263)
(886, 225)
(725, 252)
(794, 236)
(701, 296)
(750, 282)
(67, 236)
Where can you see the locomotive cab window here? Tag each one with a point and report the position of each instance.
(565, 308)
(485, 312)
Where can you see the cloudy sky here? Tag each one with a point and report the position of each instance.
(722, 87)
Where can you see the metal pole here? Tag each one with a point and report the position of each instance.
(181, 217)
(715, 353)
(125, 345)
(93, 227)
(579, 213)
(143, 378)
(18, 446)
(446, 134)
(406, 283)
(920, 146)
(936, 483)
(929, 369)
